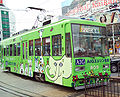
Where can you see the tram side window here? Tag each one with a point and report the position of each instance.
(23, 51)
(31, 48)
(10, 49)
(4, 51)
(26, 50)
(68, 45)
(37, 47)
(46, 46)
(14, 49)
(18, 48)
(7, 47)
(56, 45)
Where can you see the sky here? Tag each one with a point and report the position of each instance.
(25, 18)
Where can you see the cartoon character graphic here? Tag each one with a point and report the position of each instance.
(26, 69)
(59, 69)
(21, 69)
(2, 65)
(41, 66)
(30, 70)
(17, 68)
(14, 69)
(30, 67)
(36, 64)
(6, 63)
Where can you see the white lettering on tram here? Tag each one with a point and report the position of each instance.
(11, 59)
(94, 67)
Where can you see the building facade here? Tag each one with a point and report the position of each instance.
(7, 21)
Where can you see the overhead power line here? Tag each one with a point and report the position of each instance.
(41, 9)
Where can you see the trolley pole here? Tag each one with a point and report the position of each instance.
(113, 39)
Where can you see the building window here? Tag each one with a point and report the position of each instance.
(37, 47)
(10, 49)
(18, 48)
(68, 45)
(46, 46)
(56, 45)
(31, 48)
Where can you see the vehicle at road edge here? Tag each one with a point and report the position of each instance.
(62, 53)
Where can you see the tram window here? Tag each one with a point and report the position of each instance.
(56, 45)
(23, 51)
(46, 46)
(68, 45)
(10, 49)
(31, 48)
(18, 48)
(4, 51)
(26, 50)
(37, 47)
(7, 47)
(14, 49)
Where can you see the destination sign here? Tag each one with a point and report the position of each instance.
(89, 29)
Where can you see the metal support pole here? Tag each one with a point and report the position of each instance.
(113, 40)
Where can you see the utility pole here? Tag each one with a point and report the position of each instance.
(113, 39)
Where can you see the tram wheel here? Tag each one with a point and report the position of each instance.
(42, 78)
(39, 77)
(36, 77)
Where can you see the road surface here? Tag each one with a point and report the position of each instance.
(14, 85)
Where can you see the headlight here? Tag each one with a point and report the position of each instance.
(81, 68)
(105, 66)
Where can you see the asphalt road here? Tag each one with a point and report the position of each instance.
(14, 85)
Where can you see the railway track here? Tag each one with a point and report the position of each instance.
(18, 92)
(16, 88)
(14, 92)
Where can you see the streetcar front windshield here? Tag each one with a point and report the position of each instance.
(89, 41)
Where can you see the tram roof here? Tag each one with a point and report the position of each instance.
(80, 21)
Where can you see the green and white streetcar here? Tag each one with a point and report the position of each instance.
(61, 53)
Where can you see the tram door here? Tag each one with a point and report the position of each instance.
(25, 45)
(24, 64)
